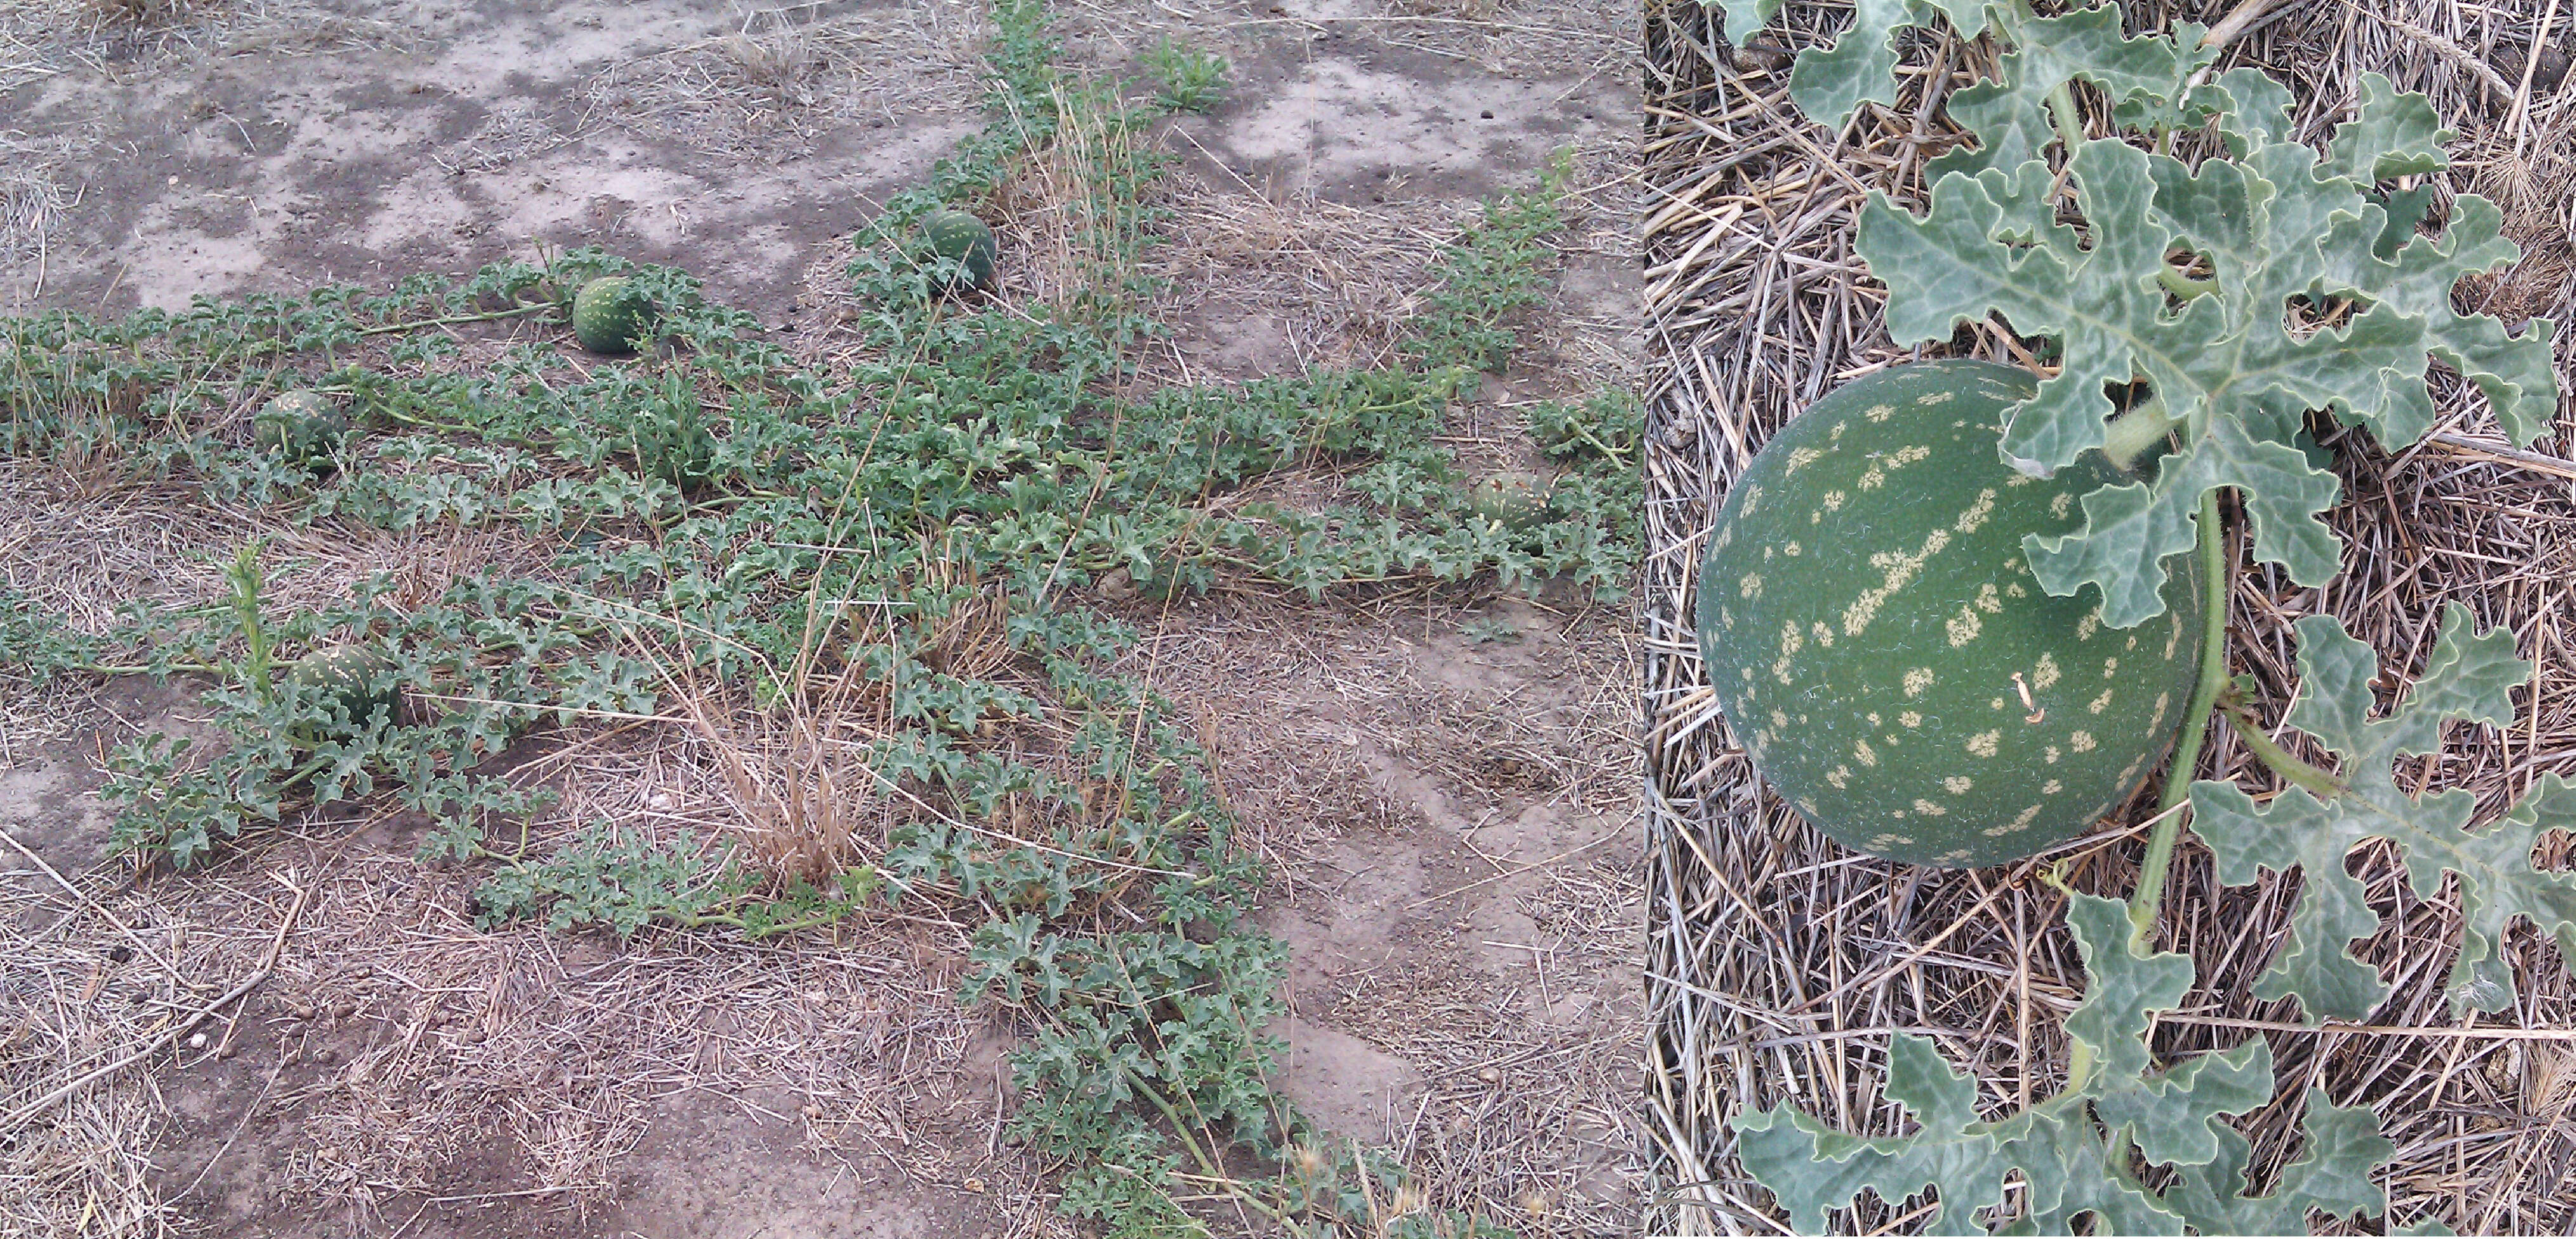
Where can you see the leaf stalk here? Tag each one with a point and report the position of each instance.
(2315, 779)
(2217, 575)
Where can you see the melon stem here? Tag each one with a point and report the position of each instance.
(2127, 438)
(2217, 576)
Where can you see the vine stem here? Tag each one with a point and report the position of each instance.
(2216, 574)
(2318, 781)
(524, 307)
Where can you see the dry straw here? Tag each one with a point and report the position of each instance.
(1779, 964)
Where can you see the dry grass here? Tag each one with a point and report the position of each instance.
(1779, 963)
(776, 84)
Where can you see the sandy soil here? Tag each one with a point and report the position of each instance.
(1454, 820)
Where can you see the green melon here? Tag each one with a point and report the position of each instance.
(300, 426)
(1883, 653)
(611, 315)
(350, 677)
(956, 234)
(1515, 501)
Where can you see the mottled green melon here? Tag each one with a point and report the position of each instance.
(610, 315)
(1883, 653)
(300, 426)
(1512, 500)
(958, 235)
(348, 676)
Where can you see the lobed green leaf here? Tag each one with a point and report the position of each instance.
(2468, 677)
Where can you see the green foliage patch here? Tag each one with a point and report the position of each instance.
(713, 525)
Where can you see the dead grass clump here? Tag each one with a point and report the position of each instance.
(1779, 964)
(773, 86)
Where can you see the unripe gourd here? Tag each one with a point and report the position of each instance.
(1882, 652)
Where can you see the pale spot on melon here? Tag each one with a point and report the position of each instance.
(1917, 680)
(1834, 500)
(2081, 742)
(1929, 809)
(1749, 585)
(2090, 624)
(1752, 500)
(1957, 785)
(1911, 718)
(2100, 703)
(1824, 636)
(2057, 507)
(1933, 398)
(1780, 719)
(1977, 512)
(1989, 600)
(1863, 753)
(2110, 667)
(1800, 459)
(1964, 626)
(1880, 412)
(2050, 754)
(2051, 788)
(2045, 674)
(1872, 480)
(1840, 777)
(1790, 549)
(1985, 743)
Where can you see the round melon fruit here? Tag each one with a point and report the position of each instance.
(348, 676)
(1513, 500)
(958, 235)
(1883, 653)
(610, 315)
(300, 426)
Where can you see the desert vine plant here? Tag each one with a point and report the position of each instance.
(2196, 281)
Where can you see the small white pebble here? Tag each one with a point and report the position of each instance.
(196, 1041)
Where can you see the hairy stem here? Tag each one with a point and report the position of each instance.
(2278, 759)
(2131, 435)
(2217, 575)
(2061, 113)
(2184, 286)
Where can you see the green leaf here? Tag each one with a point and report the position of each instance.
(1811, 1168)
(2276, 226)
(1830, 83)
(2468, 677)
(2071, 1152)
(2332, 1176)
(2391, 135)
